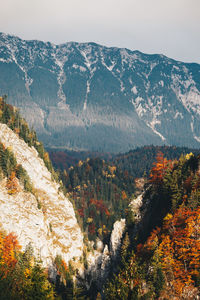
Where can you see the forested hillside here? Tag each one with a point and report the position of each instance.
(139, 161)
(101, 193)
(102, 189)
(64, 159)
(162, 261)
(136, 161)
(22, 276)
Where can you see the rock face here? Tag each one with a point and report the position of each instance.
(51, 230)
(103, 260)
(86, 96)
(135, 206)
(116, 236)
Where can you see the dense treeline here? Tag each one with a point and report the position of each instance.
(101, 193)
(163, 260)
(139, 161)
(136, 161)
(64, 159)
(102, 189)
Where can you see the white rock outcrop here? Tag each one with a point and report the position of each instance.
(135, 207)
(116, 236)
(100, 261)
(53, 229)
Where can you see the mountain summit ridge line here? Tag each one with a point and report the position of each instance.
(90, 97)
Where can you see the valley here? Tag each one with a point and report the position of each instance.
(99, 173)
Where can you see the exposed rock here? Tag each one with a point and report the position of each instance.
(99, 245)
(135, 207)
(53, 229)
(19, 214)
(101, 260)
(116, 235)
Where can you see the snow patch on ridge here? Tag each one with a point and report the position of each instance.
(134, 90)
(187, 93)
(28, 79)
(192, 129)
(84, 53)
(178, 115)
(137, 103)
(191, 100)
(81, 68)
(155, 111)
(60, 61)
(110, 68)
(5, 60)
(86, 97)
(152, 126)
(129, 58)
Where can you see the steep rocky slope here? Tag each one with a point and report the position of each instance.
(34, 208)
(86, 96)
(50, 227)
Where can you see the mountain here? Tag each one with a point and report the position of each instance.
(90, 97)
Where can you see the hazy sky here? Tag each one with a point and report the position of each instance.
(170, 27)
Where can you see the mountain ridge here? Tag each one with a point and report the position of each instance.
(95, 44)
(91, 97)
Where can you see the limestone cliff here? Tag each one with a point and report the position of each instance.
(102, 261)
(52, 229)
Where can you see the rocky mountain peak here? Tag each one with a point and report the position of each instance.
(87, 96)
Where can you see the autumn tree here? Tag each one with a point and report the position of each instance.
(21, 277)
(158, 171)
(12, 183)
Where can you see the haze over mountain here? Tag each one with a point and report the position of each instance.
(86, 96)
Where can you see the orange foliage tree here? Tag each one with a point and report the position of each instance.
(20, 276)
(100, 206)
(158, 171)
(12, 183)
(9, 246)
(178, 246)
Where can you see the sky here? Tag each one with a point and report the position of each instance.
(169, 27)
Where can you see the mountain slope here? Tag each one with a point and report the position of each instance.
(86, 96)
(43, 217)
(160, 250)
